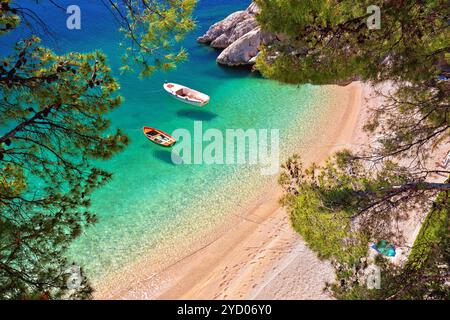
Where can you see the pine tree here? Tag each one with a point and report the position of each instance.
(53, 126)
(329, 42)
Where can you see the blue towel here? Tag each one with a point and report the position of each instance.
(384, 248)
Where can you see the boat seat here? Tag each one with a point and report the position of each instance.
(180, 92)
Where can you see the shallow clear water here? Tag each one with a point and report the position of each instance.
(152, 203)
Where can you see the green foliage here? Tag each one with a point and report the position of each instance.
(434, 231)
(343, 206)
(414, 121)
(154, 29)
(9, 19)
(425, 274)
(325, 201)
(327, 41)
(327, 232)
(53, 120)
(52, 112)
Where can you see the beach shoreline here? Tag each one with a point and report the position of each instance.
(266, 258)
(261, 256)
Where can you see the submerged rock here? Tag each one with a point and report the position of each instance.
(239, 35)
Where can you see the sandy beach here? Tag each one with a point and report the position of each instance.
(260, 257)
(224, 151)
(264, 258)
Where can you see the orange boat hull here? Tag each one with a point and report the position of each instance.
(159, 137)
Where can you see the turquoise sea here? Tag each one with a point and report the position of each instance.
(152, 206)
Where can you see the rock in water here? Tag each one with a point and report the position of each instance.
(245, 49)
(224, 27)
(239, 35)
(239, 30)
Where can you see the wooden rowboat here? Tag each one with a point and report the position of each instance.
(159, 137)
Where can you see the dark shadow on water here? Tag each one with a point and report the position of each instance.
(164, 155)
(199, 115)
(224, 72)
(239, 71)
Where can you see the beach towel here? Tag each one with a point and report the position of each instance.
(385, 248)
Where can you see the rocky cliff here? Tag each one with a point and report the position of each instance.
(239, 36)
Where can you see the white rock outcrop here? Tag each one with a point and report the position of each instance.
(244, 50)
(225, 28)
(239, 36)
